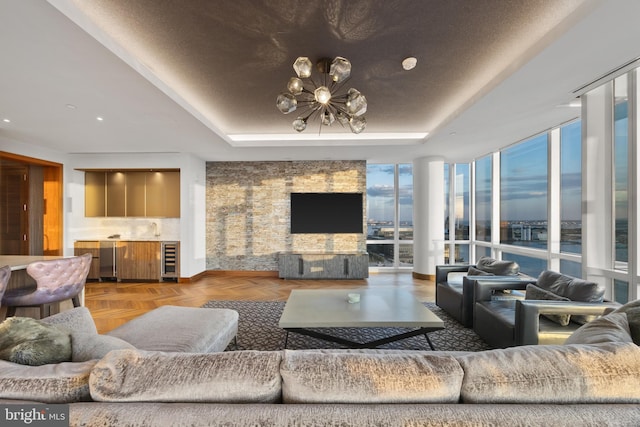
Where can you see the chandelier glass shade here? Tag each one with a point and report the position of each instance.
(323, 98)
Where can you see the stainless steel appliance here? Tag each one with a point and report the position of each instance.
(170, 260)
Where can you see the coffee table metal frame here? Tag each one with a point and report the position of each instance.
(310, 309)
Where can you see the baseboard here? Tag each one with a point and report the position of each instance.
(219, 273)
(421, 276)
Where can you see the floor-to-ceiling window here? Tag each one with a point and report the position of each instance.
(523, 194)
(571, 197)
(522, 203)
(621, 183)
(542, 205)
(483, 192)
(457, 213)
(390, 215)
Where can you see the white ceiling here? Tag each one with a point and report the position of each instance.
(202, 76)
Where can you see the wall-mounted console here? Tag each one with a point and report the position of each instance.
(319, 265)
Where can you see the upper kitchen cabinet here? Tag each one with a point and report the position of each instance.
(162, 188)
(132, 193)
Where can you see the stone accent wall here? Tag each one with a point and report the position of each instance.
(248, 210)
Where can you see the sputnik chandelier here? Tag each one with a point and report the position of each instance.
(323, 98)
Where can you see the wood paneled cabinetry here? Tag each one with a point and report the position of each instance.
(138, 260)
(92, 247)
(134, 259)
(132, 193)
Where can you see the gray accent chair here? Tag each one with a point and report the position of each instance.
(511, 322)
(456, 298)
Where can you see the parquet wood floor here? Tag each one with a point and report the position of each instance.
(113, 303)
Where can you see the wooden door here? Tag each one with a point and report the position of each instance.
(14, 216)
(30, 206)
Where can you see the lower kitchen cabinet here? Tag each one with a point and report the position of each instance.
(130, 259)
(138, 260)
(92, 247)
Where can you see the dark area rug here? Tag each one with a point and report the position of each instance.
(258, 330)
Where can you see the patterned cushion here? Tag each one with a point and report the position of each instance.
(86, 346)
(536, 293)
(54, 383)
(320, 377)
(610, 328)
(149, 376)
(554, 374)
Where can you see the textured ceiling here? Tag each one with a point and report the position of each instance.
(230, 59)
(201, 77)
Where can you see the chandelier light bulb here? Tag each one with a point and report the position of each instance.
(286, 103)
(322, 95)
(302, 66)
(340, 69)
(299, 124)
(295, 86)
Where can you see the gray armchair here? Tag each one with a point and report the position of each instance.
(511, 322)
(457, 299)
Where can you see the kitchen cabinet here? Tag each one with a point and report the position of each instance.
(92, 247)
(132, 193)
(95, 196)
(138, 260)
(163, 194)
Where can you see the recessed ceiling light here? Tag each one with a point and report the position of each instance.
(6, 120)
(100, 119)
(409, 63)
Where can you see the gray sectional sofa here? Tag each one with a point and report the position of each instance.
(592, 381)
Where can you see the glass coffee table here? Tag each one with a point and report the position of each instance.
(308, 310)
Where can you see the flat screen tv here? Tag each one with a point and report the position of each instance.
(326, 213)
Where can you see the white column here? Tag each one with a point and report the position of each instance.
(597, 179)
(428, 215)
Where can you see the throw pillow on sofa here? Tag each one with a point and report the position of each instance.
(28, 341)
(632, 308)
(498, 267)
(536, 293)
(610, 328)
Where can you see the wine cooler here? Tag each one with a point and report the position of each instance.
(170, 260)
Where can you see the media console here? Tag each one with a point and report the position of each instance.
(322, 265)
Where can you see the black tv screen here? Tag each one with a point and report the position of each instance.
(326, 213)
